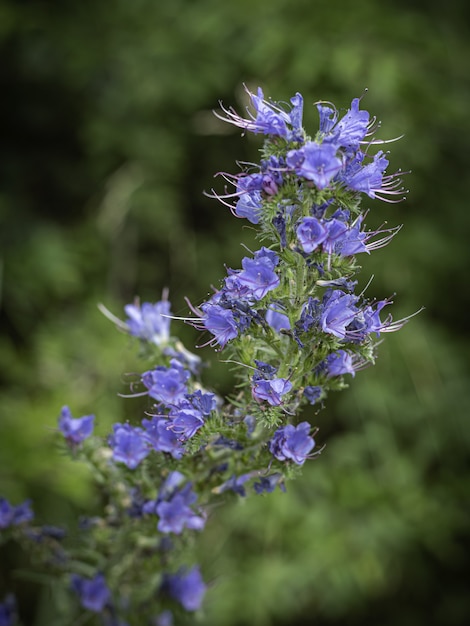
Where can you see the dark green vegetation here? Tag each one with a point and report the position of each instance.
(106, 143)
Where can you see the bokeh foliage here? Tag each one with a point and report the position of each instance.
(107, 142)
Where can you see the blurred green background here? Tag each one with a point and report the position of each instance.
(107, 142)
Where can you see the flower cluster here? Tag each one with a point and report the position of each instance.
(291, 324)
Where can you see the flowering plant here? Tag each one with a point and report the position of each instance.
(291, 324)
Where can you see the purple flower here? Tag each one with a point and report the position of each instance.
(220, 322)
(235, 484)
(130, 445)
(8, 611)
(176, 515)
(270, 118)
(277, 320)
(94, 593)
(294, 443)
(338, 312)
(167, 384)
(203, 402)
(147, 321)
(353, 240)
(268, 483)
(258, 275)
(312, 393)
(366, 178)
(14, 515)
(75, 430)
(187, 588)
(339, 363)
(249, 206)
(349, 131)
(160, 436)
(311, 233)
(173, 507)
(185, 421)
(271, 390)
(336, 230)
(315, 162)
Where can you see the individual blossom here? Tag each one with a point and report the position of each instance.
(310, 234)
(352, 241)
(339, 363)
(313, 393)
(258, 274)
(267, 484)
(349, 131)
(369, 178)
(187, 587)
(205, 402)
(94, 593)
(130, 445)
(185, 421)
(338, 311)
(161, 437)
(150, 322)
(276, 319)
(315, 162)
(14, 515)
(270, 118)
(335, 231)
(270, 391)
(173, 507)
(75, 430)
(167, 384)
(235, 484)
(292, 443)
(220, 322)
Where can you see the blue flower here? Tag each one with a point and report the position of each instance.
(270, 118)
(148, 322)
(176, 515)
(75, 430)
(336, 230)
(312, 393)
(271, 390)
(187, 587)
(249, 206)
(277, 320)
(130, 445)
(339, 363)
(167, 384)
(160, 436)
(366, 178)
(235, 484)
(352, 241)
(315, 162)
(258, 273)
(293, 443)
(338, 312)
(220, 322)
(203, 402)
(94, 593)
(311, 233)
(8, 611)
(14, 515)
(267, 484)
(185, 421)
(173, 507)
(349, 131)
